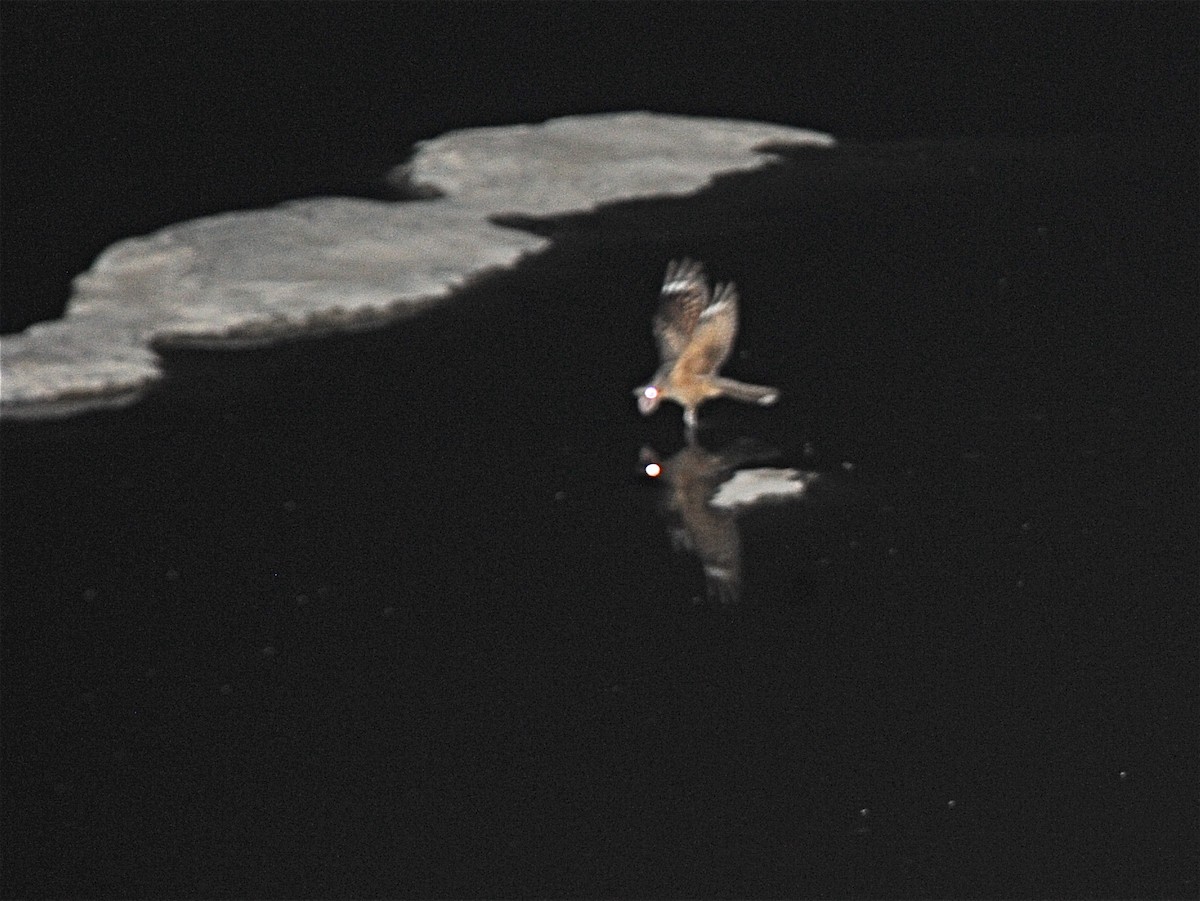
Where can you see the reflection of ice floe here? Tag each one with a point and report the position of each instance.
(332, 264)
(748, 487)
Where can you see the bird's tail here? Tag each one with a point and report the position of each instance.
(750, 394)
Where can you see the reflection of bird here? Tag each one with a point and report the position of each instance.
(691, 478)
(695, 329)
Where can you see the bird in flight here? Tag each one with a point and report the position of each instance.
(695, 328)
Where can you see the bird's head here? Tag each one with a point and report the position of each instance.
(648, 398)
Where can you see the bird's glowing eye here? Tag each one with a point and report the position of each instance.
(651, 392)
(653, 470)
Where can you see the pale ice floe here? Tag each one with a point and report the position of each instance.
(336, 264)
(751, 487)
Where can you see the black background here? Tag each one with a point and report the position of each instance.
(391, 615)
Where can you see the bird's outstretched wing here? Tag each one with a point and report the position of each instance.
(684, 297)
(712, 339)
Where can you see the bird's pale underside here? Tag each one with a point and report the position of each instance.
(695, 328)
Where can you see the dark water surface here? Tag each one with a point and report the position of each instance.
(396, 614)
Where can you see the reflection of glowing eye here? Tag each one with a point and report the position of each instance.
(653, 470)
(651, 392)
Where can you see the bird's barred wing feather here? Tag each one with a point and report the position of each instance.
(712, 340)
(684, 297)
